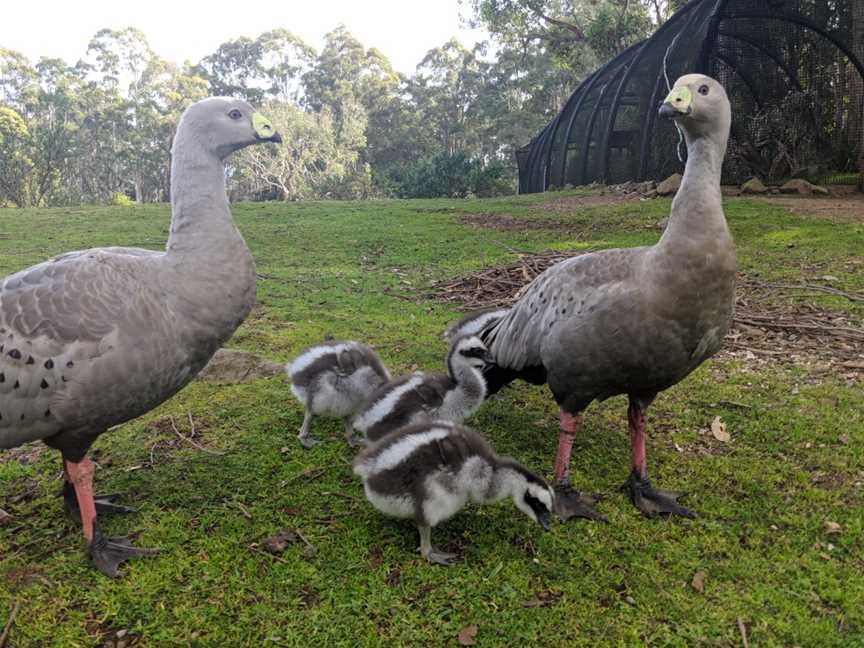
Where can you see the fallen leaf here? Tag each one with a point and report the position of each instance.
(5, 518)
(698, 582)
(829, 278)
(718, 429)
(276, 544)
(832, 528)
(467, 635)
(845, 439)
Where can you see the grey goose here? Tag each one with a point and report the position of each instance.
(92, 339)
(632, 321)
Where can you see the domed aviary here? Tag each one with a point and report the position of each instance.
(793, 71)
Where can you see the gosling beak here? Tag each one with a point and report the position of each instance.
(545, 520)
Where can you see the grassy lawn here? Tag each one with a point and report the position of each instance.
(358, 270)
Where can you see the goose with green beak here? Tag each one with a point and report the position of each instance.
(632, 321)
(92, 339)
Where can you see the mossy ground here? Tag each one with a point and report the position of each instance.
(796, 460)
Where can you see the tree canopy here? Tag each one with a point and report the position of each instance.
(354, 127)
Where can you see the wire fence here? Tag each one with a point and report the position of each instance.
(793, 72)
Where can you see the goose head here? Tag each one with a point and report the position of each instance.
(699, 105)
(468, 351)
(222, 125)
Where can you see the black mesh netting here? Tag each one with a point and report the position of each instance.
(792, 69)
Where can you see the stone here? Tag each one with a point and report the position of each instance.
(650, 194)
(754, 186)
(230, 366)
(670, 185)
(822, 191)
(797, 185)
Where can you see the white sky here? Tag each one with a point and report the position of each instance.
(404, 30)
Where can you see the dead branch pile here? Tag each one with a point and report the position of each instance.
(764, 325)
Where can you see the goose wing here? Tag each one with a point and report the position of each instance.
(56, 319)
(569, 290)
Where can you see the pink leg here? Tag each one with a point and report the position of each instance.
(636, 419)
(570, 425)
(80, 475)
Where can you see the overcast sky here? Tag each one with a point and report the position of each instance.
(179, 30)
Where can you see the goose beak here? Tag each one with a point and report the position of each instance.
(679, 102)
(264, 131)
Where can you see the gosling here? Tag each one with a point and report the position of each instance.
(335, 379)
(474, 322)
(418, 397)
(429, 471)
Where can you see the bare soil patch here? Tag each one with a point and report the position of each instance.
(837, 209)
(574, 203)
(763, 331)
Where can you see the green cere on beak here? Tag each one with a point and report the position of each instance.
(263, 128)
(680, 99)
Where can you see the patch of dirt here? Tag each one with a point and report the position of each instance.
(837, 208)
(825, 341)
(26, 454)
(574, 203)
(231, 366)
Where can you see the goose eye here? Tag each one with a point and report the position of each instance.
(703, 90)
(235, 114)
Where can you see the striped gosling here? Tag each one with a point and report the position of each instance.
(334, 379)
(430, 471)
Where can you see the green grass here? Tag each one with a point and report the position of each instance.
(796, 460)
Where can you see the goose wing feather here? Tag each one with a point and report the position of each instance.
(77, 334)
(568, 291)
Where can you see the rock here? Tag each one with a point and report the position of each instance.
(798, 186)
(774, 191)
(5, 518)
(670, 185)
(646, 187)
(662, 223)
(230, 366)
(650, 194)
(822, 191)
(754, 186)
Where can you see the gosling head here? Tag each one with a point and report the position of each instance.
(699, 105)
(468, 350)
(533, 496)
(222, 125)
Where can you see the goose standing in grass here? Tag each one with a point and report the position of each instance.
(335, 379)
(428, 472)
(95, 338)
(633, 321)
(453, 396)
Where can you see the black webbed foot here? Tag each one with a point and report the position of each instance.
(109, 553)
(653, 502)
(104, 503)
(570, 503)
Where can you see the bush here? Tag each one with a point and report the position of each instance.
(455, 176)
(121, 200)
